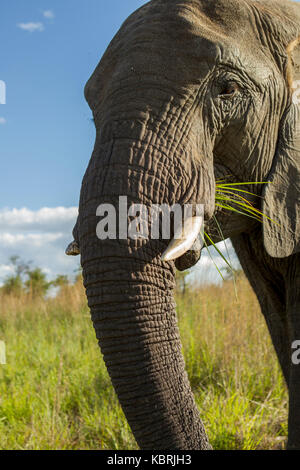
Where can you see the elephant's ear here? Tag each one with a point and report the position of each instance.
(282, 194)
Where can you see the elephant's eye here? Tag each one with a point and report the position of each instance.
(229, 90)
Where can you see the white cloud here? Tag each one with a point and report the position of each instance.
(32, 239)
(31, 27)
(49, 14)
(2, 120)
(41, 236)
(47, 219)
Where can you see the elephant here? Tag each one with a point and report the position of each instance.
(189, 92)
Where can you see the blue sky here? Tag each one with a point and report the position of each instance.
(47, 138)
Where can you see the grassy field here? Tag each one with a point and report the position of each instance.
(55, 392)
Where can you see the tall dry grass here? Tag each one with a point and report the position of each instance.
(55, 392)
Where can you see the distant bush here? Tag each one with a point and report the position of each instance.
(13, 285)
(31, 281)
(36, 284)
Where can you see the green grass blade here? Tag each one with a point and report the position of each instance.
(221, 191)
(248, 208)
(210, 255)
(238, 212)
(228, 255)
(216, 248)
(246, 184)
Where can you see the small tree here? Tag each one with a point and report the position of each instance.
(20, 267)
(36, 284)
(60, 281)
(12, 285)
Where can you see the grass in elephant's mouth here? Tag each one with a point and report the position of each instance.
(227, 196)
(232, 197)
(55, 392)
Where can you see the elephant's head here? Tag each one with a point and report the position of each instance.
(187, 91)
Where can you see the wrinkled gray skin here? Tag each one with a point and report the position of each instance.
(189, 91)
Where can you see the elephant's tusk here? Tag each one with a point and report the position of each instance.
(73, 249)
(183, 239)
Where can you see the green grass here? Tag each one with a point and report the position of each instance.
(232, 367)
(55, 392)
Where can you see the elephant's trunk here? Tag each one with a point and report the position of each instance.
(134, 317)
(130, 294)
